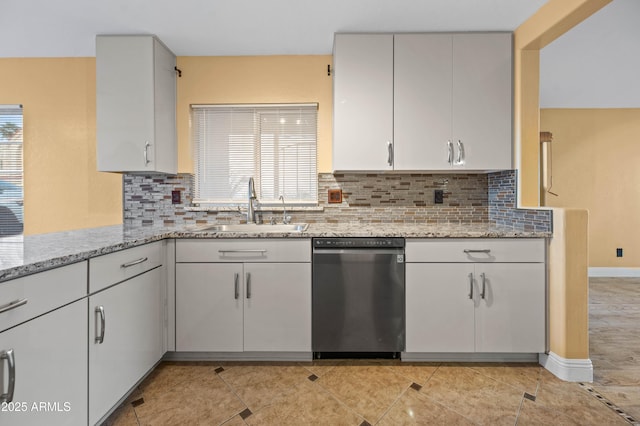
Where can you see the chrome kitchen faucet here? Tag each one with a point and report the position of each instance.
(251, 213)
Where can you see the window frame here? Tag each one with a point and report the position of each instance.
(259, 142)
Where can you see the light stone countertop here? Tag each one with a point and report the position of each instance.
(21, 256)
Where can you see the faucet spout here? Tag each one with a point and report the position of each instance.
(285, 219)
(251, 213)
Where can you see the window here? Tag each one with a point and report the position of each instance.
(11, 192)
(274, 144)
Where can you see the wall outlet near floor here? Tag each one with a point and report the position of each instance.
(618, 252)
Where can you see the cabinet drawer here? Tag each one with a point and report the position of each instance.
(115, 267)
(258, 250)
(41, 293)
(476, 250)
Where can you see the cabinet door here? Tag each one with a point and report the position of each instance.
(165, 149)
(422, 101)
(511, 317)
(277, 314)
(124, 101)
(362, 101)
(132, 342)
(209, 306)
(50, 357)
(482, 99)
(439, 310)
(135, 105)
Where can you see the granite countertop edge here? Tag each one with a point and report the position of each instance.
(38, 253)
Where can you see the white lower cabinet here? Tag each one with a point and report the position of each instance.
(480, 301)
(253, 298)
(277, 314)
(511, 316)
(440, 316)
(125, 338)
(235, 307)
(49, 356)
(209, 307)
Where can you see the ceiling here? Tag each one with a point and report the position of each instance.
(67, 28)
(595, 64)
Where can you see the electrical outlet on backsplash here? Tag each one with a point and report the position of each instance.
(366, 198)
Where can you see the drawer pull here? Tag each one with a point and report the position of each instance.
(12, 305)
(135, 262)
(100, 338)
(260, 251)
(10, 357)
(236, 286)
(248, 285)
(487, 251)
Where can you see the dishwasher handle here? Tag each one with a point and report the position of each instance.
(398, 251)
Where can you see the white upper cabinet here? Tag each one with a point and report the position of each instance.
(422, 101)
(135, 105)
(363, 102)
(482, 100)
(449, 106)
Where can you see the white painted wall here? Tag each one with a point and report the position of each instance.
(597, 63)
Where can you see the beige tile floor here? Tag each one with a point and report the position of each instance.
(348, 392)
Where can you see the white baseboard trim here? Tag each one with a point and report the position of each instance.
(614, 272)
(570, 370)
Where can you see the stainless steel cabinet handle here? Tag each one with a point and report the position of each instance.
(12, 305)
(135, 262)
(450, 149)
(470, 286)
(243, 251)
(484, 286)
(487, 251)
(236, 279)
(460, 157)
(146, 153)
(248, 285)
(390, 152)
(100, 338)
(10, 357)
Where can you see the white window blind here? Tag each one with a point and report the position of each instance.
(11, 172)
(274, 144)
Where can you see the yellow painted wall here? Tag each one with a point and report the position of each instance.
(568, 280)
(568, 284)
(255, 79)
(552, 20)
(595, 167)
(63, 190)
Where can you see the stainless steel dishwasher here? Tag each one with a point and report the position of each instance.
(358, 297)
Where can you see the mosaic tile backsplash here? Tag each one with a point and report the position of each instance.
(366, 198)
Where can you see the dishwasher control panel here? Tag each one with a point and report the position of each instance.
(358, 242)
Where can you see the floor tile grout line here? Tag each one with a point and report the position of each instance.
(392, 404)
(437, 402)
(233, 390)
(520, 408)
(497, 380)
(334, 396)
(620, 412)
(504, 382)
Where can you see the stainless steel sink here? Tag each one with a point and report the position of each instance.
(252, 227)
